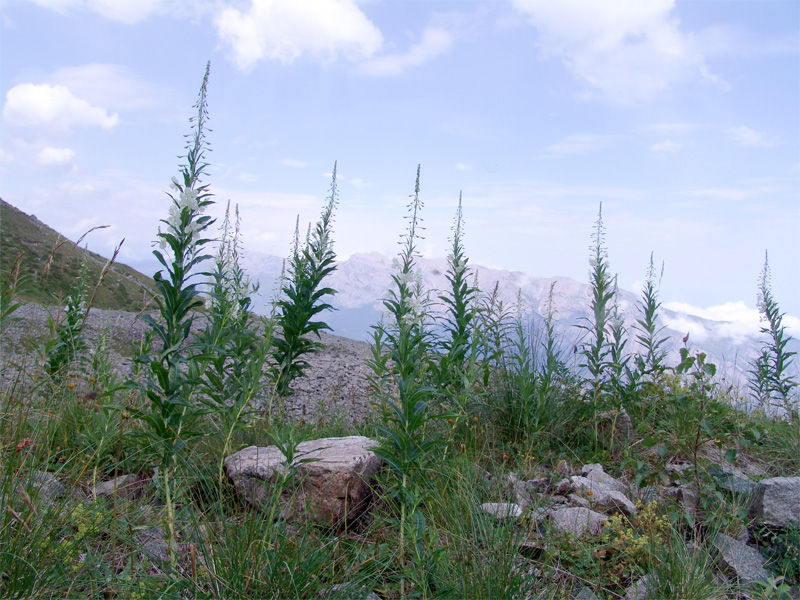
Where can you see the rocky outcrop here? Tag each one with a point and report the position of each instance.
(776, 501)
(327, 482)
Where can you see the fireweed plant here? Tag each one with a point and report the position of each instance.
(301, 298)
(407, 444)
(770, 381)
(175, 366)
(235, 353)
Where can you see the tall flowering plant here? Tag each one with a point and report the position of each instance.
(175, 367)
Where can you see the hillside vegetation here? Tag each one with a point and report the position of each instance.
(50, 264)
(509, 467)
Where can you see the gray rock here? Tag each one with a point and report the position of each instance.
(741, 560)
(578, 521)
(48, 486)
(153, 542)
(126, 487)
(585, 594)
(600, 476)
(689, 498)
(730, 481)
(602, 496)
(776, 501)
(639, 589)
(502, 510)
(333, 486)
(615, 428)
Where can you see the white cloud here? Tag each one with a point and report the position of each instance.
(291, 162)
(434, 42)
(665, 147)
(463, 167)
(52, 108)
(579, 143)
(626, 50)
(359, 183)
(732, 320)
(60, 160)
(109, 85)
(749, 137)
(285, 30)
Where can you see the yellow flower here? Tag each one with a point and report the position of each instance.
(475, 419)
(71, 385)
(92, 379)
(590, 493)
(374, 407)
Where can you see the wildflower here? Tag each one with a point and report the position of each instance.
(92, 379)
(23, 444)
(589, 493)
(475, 419)
(71, 385)
(505, 456)
(450, 421)
(374, 407)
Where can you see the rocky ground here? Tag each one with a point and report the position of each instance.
(334, 386)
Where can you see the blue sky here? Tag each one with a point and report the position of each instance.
(683, 118)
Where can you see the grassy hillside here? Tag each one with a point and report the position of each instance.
(124, 288)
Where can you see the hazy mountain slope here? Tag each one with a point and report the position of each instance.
(362, 281)
(124, 288)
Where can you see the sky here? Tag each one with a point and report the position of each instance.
(681, 117)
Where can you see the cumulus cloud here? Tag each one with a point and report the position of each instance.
(284, 30)
(52, 108)
(626, 50)
(110, 85)
(433, 42)
(59, 160)
(749, 137)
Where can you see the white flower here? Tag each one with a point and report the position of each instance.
(175, 185)
(188, 199)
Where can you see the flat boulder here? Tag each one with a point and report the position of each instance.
(328, 480)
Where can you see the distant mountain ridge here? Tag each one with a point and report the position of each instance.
(362, 281)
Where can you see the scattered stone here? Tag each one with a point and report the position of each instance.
(48, 486)
(564, 487)
(689, 498)
(578, 521)
(602, 496)
(502, 510)
(615, 428)
(776, 501)
(562, 468)
(679, 467)
(586, 469)
(585, 594)
(347, 591)
(126, 487)
(743, 561)
(332, 486)
(153, 543)
(538, 485)
(600, 476)
(727, 480)
(577, 500)
(639, 589)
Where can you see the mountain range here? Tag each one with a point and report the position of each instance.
(362, 282)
